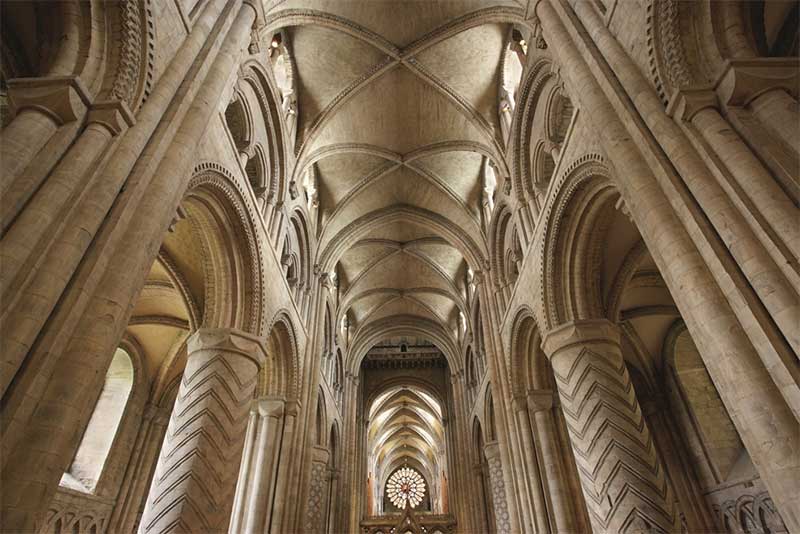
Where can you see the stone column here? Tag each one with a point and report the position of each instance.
(483, 512)
(562, 510)
(676, 459)
(140, 468)
(239, 498)
(285, 462)
(756, 98)
(534, 476)
(497, 488)
(316, 507)
(769, 87)
(756, 193)
(41, 105)
(30, 238)
(622, 476)
(195, 480)
(259, 487)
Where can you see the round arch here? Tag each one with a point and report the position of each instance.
(223, 223)
(280, 374)
(395, 326)
(576, 219)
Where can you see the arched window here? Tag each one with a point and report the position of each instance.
(338, 377)
(237, 121)
(491, 429)
(472, 373)
(87, 466)
(320, 420)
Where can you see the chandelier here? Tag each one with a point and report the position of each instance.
(405, 484)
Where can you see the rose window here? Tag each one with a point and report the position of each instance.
(405, 484)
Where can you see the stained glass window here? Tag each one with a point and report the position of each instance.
(405, 484)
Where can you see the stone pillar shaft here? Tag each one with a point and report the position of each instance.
(534, 475)
(622, 476)
(497, 488)
(693, 503)
(261, 479)
(42, 106)
(195, 480)
(239, 499)
(562, 510)
(28, 242)
(317, 506)
(760, 194)
(283, 476)
(141, 466)
(777, 111)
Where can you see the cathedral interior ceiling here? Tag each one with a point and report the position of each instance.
(398, 117)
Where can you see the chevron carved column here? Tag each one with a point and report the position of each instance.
(194, 483)
(622, 477)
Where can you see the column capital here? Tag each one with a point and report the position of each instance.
(113, 114)
(540, 400)
(688, 102)
(579, 332)
(292, 408)
(492, 449)
(62, 98)
(229, 340)
(320, 454)
(519, 403)
(270, 406)
(742, 80)
(479, 276)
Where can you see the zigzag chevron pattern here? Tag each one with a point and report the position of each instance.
(622, 477)
(196, 475)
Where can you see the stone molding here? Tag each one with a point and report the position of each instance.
(62, 98)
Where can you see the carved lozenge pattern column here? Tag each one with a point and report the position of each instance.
(195, 480)
(497, 488)
(317, 493)
(621, 474)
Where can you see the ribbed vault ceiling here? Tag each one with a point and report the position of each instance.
(405, 427)
(397, 119)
